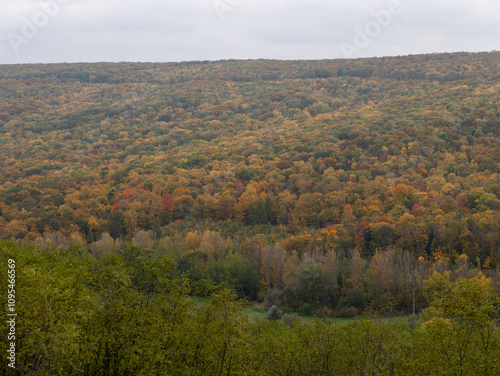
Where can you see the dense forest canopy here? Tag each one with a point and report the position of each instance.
(263, 174)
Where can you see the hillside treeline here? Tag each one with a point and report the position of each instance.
(305, 163)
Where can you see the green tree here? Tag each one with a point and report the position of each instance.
(461, 335)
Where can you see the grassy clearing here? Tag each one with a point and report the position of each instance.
(257, 311)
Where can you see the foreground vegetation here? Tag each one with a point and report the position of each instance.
(128, 312)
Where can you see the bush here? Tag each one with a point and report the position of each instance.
(274, 313)
(290, 319)
(350, 312)
(322, 312)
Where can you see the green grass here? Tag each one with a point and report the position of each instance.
(198, 302)
(257, 311)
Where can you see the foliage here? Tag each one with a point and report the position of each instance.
(274, 313)
(332, 187)
(129, 312)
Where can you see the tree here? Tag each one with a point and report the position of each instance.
(461, 329)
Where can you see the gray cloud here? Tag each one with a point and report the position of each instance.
(173, 30)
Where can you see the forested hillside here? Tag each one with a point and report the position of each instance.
(320, 185)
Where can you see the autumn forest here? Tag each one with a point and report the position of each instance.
(329, 188)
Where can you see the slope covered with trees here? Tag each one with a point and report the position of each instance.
(316, 184)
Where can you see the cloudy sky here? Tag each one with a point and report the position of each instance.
(49, 31)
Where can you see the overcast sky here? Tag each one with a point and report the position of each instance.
(49, 31)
